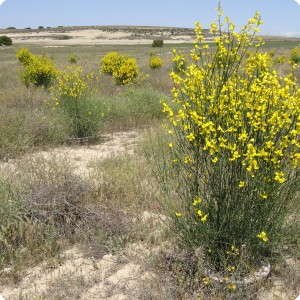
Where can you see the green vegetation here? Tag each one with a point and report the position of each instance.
(214, 204)
(234, 157)
(5, 40)
(158, 43)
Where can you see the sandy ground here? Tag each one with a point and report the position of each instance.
(107, 278)
(111, 277)
(90, 37)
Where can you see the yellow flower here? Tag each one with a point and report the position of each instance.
(204, 218)
(231, 268)
(197, 201)
(263, 236)
(279, 176)
(178, 214)
(191, 137)
(206, 280)
(215, 160)
(242, 184)
(231, 286)
(264, 195)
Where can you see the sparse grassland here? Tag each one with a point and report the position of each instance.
(48, 204)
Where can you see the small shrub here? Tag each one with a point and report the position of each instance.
(110, 62)
(272, 53)
(280, 60)
(61, 37)
(73, 94)
(295, 55)
(23, 241)
(155, 62)
(123, 68)
(73, 59)
(158, 43)
(126, 72)
(25, 57)
(11, 27)
(40, 72)
(37, 70)
(5, 40)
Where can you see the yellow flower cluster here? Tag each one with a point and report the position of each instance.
(110, 62)
(123, 68)
(73, 83)
(127, 72)
(37, 70)
(237, 108)
(263, 236)
(155, 62)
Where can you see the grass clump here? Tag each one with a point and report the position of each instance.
(133, 108)
(23, 240)
(233, 174)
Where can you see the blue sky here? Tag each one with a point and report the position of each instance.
(281, 17)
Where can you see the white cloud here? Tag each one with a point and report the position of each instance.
(298, 1)
(1, 2)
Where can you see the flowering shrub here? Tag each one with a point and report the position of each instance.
(155, 62)
(234, 147)
(123, 68)
(126, 72)
(295, 55)
(110, 62)
(24, 56)
(37, 70)
(73, 94)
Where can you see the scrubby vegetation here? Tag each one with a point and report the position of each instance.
(222, 173)
(121, 67)
(5, 40)
(155, 62)
(158, 43)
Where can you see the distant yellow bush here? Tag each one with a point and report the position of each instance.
(37, 70)
(295, 55)
(122, 68)
(110, 62)
(155, 62)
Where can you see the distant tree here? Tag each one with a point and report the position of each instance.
(11, 27)
(40, 27)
